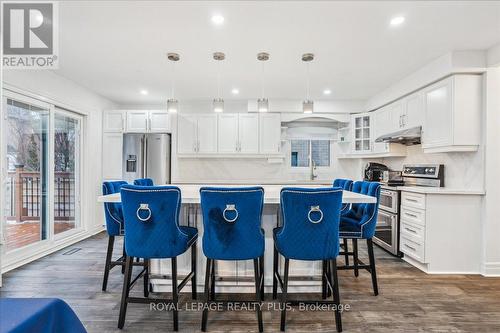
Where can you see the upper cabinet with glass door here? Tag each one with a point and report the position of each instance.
(361, 132)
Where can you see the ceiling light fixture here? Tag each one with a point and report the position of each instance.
(307, 104)
(217, 19)
(144, 92)
(218, 103)
(172, 103)
(397, 20)
(327, 92)
(262, 102)
(235, 91)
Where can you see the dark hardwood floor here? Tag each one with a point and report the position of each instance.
(409, 300)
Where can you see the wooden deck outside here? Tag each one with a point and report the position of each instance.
(21, 234)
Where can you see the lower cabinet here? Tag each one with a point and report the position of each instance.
(440, 233)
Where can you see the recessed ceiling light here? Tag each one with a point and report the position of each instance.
(397, 20)
(144, 92)
(327, 92)
(217, 19)
(235, 91)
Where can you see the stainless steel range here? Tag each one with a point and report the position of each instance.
(387, 229)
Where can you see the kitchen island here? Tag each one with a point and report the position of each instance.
(237, 276)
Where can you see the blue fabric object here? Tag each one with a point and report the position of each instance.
(299, 238)
(159, 235)
(144, 182)
(361, 219)
(113, 211)
(38, 315)
(345, 184)
(242, 239)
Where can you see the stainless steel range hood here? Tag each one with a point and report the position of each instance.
(408, 137)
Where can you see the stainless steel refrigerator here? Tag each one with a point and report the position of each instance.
(147, 156)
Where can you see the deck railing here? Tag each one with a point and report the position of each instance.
(25, 194)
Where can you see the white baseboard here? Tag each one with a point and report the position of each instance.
(491, 269)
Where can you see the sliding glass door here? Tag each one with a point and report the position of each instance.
(26, 202)
(41, 148)
(66, 171)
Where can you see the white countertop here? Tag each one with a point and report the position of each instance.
(436, 190)
(191, 193)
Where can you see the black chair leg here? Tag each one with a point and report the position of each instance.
(125, 291)
(107, 265)
(355, 250)
(323, 279)
(146, 277)
(284, 295)
(346, 249)
(175, 294)
(194, 249)
(212, 282)
(261, 277)
(275, 270)
(336, 295)
(208, 276)
(373, 271)
(258, 291)
(124, 253)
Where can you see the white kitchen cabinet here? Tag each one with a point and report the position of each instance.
(187, 140)
(452, 114)
(159, 121)
(207, 133)
(112, 150)
(361, 133)
(413, 113)
(143, 121)
(396, 115)
(197, 133)
(248, 133)
(137, 121)
(269, 133)
(228, 133)
(238, 133)
(113, 121)
(381, 124)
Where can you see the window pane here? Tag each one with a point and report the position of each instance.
(26, 187)
(321, 152)
(300, 153)
(66, 158)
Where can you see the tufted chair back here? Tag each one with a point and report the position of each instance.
(113, 211)
(144, 182)
(366, 213)
(151, 215)
(232, 222)
(310, 229)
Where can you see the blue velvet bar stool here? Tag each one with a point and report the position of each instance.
(310, 231)
(144, 182)
(359, 223)
(345, 184)
(114, 227)
(232, 231)
(152, 231)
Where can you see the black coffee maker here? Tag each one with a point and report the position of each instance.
(374, 171)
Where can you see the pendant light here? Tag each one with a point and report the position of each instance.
(218, 104)
(262, 102)
(307, 104)
(172, 103)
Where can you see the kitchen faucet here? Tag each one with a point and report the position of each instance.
(313, 168)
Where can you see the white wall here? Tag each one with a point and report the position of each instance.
(67, 94)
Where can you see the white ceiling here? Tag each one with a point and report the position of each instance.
(117, 48)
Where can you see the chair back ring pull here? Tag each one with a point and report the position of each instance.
(315, 209)
(230, 208)
(146, 208)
